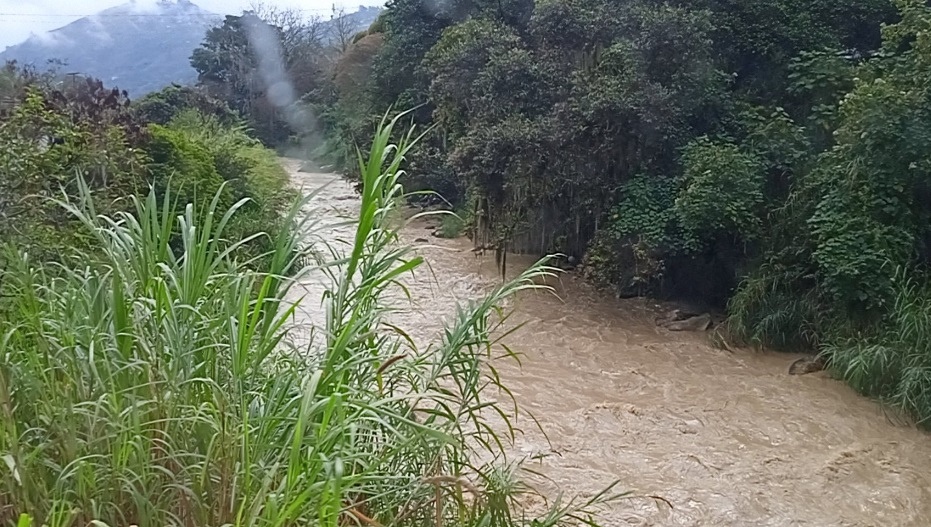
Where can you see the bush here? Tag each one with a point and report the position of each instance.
(642, 231)
(250, 171)
(452, 225)
(163, 106)
(48, 140)
(186, 167)
(51, 137)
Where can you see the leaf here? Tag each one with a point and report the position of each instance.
(11, 464)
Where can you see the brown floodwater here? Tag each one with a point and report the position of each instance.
(727, 438)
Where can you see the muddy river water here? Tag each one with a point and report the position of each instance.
(728, 438)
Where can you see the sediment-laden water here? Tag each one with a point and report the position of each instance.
(728, 438)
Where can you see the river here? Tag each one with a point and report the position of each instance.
(727, 438)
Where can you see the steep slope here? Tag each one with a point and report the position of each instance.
(134, 48)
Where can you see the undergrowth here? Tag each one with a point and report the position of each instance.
(888, 359)
(452, 225)
(769, 309)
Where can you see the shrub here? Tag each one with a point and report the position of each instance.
(250, 171)
(184, 165)
(46, 144)
(163, 106)
(452, 225)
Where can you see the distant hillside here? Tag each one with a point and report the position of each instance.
(140, 49)
(357, 21)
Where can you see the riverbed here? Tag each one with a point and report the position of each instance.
(726, 438)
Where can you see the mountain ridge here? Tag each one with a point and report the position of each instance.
(136, 47)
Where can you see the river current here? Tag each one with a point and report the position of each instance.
(727, 438)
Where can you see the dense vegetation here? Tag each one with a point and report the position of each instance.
(54, 131)
(269, 63)
(770, 156)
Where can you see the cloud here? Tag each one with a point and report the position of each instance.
(143, 6)
(51, 39)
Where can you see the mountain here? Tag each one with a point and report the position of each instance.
(143, 47)
(364, 17)
(138, 48)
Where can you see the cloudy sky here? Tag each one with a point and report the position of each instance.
(19, 18)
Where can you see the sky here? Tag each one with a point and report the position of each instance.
(19, 18)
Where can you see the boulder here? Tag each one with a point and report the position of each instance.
(688, 323)
(806, 365)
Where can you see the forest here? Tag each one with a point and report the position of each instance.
(769, 157)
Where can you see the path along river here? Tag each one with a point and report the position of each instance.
(729, 439)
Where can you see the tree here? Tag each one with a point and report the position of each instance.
(261, 69)
(341, 30)
(226, 63)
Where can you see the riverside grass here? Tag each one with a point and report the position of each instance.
(151, 384)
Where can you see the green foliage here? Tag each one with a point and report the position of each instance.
(248, 170)
(851, 283)
(184, 167)
(818, 80)
(452, 225)
(345, 110)
(459, 64)
(872, 216)
(642, 230)
(410, 29)
(163, 106)
(646, 211)
(776, 306)
(53, 137)
(260, 67)
(758, 38)
(47, 143)
(893, 361)
(773, 153)
(150, 384)
(722, 191)
(225, 61)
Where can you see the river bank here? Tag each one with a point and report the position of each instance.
(727, 438)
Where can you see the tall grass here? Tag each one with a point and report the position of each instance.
(893, 363)
(155, 385)
(770, 309)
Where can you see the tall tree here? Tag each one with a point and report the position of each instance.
(261, 63)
